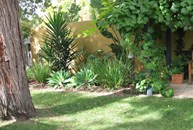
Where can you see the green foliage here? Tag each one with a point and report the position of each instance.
(142, 85)
(58, 49)
(131, 16)
(29, 7)
(177, 65)
(155, 70)
(29, 73)
(25, 28)
(96, 8)
(167, 92)
(59, 79)
(177, 14)
(72, 14)
(28, 14)
(70, 11)
(142, 21)
(85, 78)
(39, 72)
(111, 73)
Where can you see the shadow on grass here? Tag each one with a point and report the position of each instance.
(73, 103)
(158, 113)
(141, 113)
(28, 125)
(60, 103)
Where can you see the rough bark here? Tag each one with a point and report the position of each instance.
(15, 99)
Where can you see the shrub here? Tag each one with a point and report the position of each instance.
(154, 73)
(29, 73)
(167, 92)
(177, 66)
(58, 49)
(59, 79)
(85, 78)
(111, 74)
(39, 72)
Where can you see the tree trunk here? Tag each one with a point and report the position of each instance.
(15, 99)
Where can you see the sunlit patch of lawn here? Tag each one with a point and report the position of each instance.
(86, 111)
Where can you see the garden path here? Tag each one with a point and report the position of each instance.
(183, 90)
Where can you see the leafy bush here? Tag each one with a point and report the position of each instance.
(58, 49)
(85, 77)
(154, 73)
(178, 64)
(39, 72)
(142, 85)
(59, 79)
(29, 73)
(111, 74)
(167, 92)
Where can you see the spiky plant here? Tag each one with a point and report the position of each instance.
(59, 48)
(85, 78)
(59, 79)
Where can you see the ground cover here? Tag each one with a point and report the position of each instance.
(59, 110)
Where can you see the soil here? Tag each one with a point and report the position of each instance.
(94, 89)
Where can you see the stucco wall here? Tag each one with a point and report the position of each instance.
(95, 41)
(188, 40)
(89, 43)
(89, 37)
(36, 42)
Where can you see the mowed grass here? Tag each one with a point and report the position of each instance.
(87, 111)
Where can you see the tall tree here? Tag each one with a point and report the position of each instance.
(15, 99)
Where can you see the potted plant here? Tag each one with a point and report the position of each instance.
(177, 69)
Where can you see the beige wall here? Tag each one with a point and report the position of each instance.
(188, 39)
(95, 41)
(36, 42)
(89, 43)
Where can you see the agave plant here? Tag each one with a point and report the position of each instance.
(59, 79)
(84, 78)
(58, 47)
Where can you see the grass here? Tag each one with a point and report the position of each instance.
(86, 111)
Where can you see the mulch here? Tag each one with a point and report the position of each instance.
(124, 91)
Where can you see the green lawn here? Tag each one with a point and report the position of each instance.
(83, 111)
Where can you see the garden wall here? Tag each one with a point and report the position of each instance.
(90, 39)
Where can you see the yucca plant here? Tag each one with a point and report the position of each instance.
(59, 79)
(85, 78)
(58, 49)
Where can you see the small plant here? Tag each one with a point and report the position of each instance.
(111, 73)
(142, 85)
(29, 73)
(39, 72)
(177, 65)
(167, 92)
(85, 78)
(59, 79)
